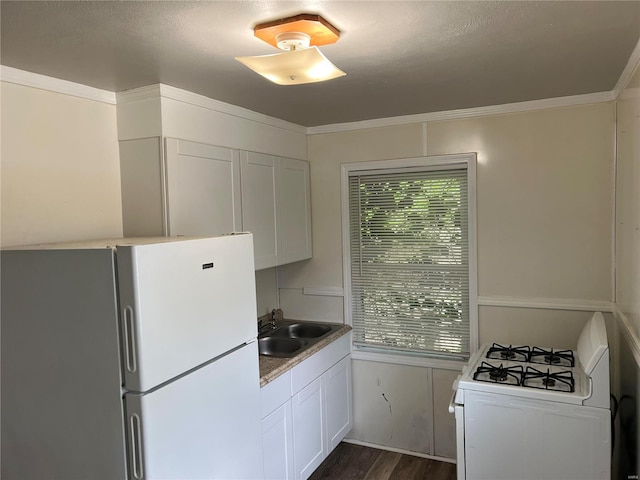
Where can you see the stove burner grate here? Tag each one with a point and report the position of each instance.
(562, 381)
(487, 372)
(562, 358)
(501, 352)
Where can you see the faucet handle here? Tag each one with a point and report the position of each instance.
(277, 315)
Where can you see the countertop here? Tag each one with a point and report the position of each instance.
(272, 367)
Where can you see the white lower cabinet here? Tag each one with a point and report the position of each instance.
(277, 444)
(337, 394)
(306, 412)
(308, 429)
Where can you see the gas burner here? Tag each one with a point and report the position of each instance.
(561, 381)
(498, 374)
(562, 358)
(500, 352)
(487, 372)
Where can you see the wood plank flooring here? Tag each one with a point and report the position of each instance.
(355, 462)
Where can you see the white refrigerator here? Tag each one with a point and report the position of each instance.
(130, 358)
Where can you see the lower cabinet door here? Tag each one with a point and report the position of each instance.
(277, 444)
(308, 429)
(337, 392)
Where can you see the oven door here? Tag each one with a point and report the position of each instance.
(508, 437)
(458, 410)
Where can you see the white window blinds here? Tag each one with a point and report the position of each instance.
(409, 251)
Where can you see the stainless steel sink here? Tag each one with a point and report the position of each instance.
(280, 346)
(289, 340)
(302, 330)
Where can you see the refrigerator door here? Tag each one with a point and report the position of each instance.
(205, 425)
(183, 303)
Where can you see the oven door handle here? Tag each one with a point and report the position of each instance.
(452, 402)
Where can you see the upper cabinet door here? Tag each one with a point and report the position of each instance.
(202, 189)
(294, 210)
(258, 172)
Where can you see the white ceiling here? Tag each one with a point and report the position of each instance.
(401, 57)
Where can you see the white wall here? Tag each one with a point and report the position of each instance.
(628, 268)
(544, 206)
(60, 167)
(545, 203)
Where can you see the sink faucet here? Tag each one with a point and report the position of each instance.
(276, 314)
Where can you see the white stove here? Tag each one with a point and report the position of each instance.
(526, 412)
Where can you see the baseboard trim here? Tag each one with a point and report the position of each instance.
(399, 450)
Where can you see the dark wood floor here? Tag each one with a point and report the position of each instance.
(355, 462)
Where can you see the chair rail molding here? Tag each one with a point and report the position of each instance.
(574, 304)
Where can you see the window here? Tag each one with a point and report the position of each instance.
(409, 250)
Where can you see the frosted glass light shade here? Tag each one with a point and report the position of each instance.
(293, 68)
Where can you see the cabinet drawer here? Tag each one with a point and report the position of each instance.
(275, 393)
(319, 362)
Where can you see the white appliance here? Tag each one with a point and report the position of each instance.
(525, 412)
(131, 358)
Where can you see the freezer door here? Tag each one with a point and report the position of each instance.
(183, 303)
(205, 425)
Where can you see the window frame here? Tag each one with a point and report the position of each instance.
(426, 163)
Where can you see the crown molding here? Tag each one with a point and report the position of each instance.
(137, 94)
(629, 69)
(557, 102)
(42, 82)
(184, 96)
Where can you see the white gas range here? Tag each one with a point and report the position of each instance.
(524, 412)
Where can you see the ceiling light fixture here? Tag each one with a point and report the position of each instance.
(302, 61)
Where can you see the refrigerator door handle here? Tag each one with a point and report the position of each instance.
(135, 432)
(129, 340)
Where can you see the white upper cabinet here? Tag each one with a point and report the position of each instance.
(258, 173)
(293, 217)
(203, 188)
(193, 189)
(276, 208)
